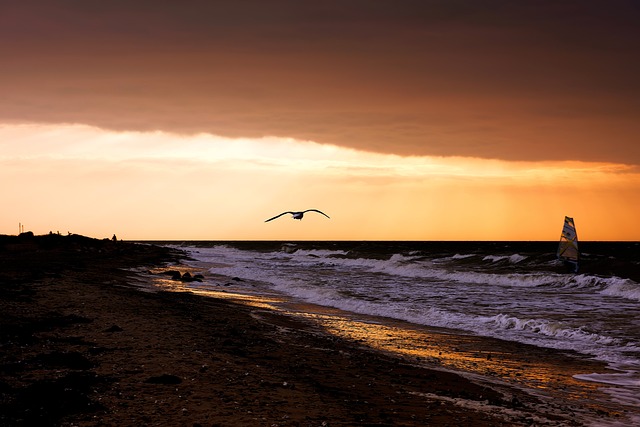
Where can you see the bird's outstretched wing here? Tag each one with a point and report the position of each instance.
(316, 210)
(278, 216)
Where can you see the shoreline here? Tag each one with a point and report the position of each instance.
(548, 374)
(81, 345)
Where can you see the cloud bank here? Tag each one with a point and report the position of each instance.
(526, 80)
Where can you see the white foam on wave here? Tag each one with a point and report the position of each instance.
(563, 337)
(215, 253)
(610, 286)
(417, 267)
(513, 259)
(627, 378)
(460, 256)
(397, 265)
(625, 288)
(317, 253)
(550, 328)
(332, 297)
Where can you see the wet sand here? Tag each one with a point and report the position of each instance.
(82, 344)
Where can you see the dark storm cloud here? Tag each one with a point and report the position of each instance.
(501, 79)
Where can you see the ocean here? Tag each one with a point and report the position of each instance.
(512, 291)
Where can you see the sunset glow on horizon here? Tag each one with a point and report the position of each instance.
(430, 120)
(158, 185)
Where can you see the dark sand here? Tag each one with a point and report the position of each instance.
(80, 344)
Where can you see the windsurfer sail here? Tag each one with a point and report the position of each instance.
(568, 247)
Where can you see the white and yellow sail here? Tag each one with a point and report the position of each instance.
(568, 247)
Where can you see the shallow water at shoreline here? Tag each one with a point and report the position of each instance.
(548, 374)
(260, 275)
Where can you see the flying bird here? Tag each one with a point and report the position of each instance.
(297, 215)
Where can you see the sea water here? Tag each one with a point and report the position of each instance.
(515, 291)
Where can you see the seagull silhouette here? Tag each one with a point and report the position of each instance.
(297, 215)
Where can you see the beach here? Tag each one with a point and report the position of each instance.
(84, 340)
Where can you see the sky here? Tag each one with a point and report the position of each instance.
(402, 120)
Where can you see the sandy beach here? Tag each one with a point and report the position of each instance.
(82, 342)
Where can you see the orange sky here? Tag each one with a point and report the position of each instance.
(422, 120)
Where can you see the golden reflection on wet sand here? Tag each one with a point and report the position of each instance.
(458, 352)
(550, 372)
(171, 285)
(547, 373)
